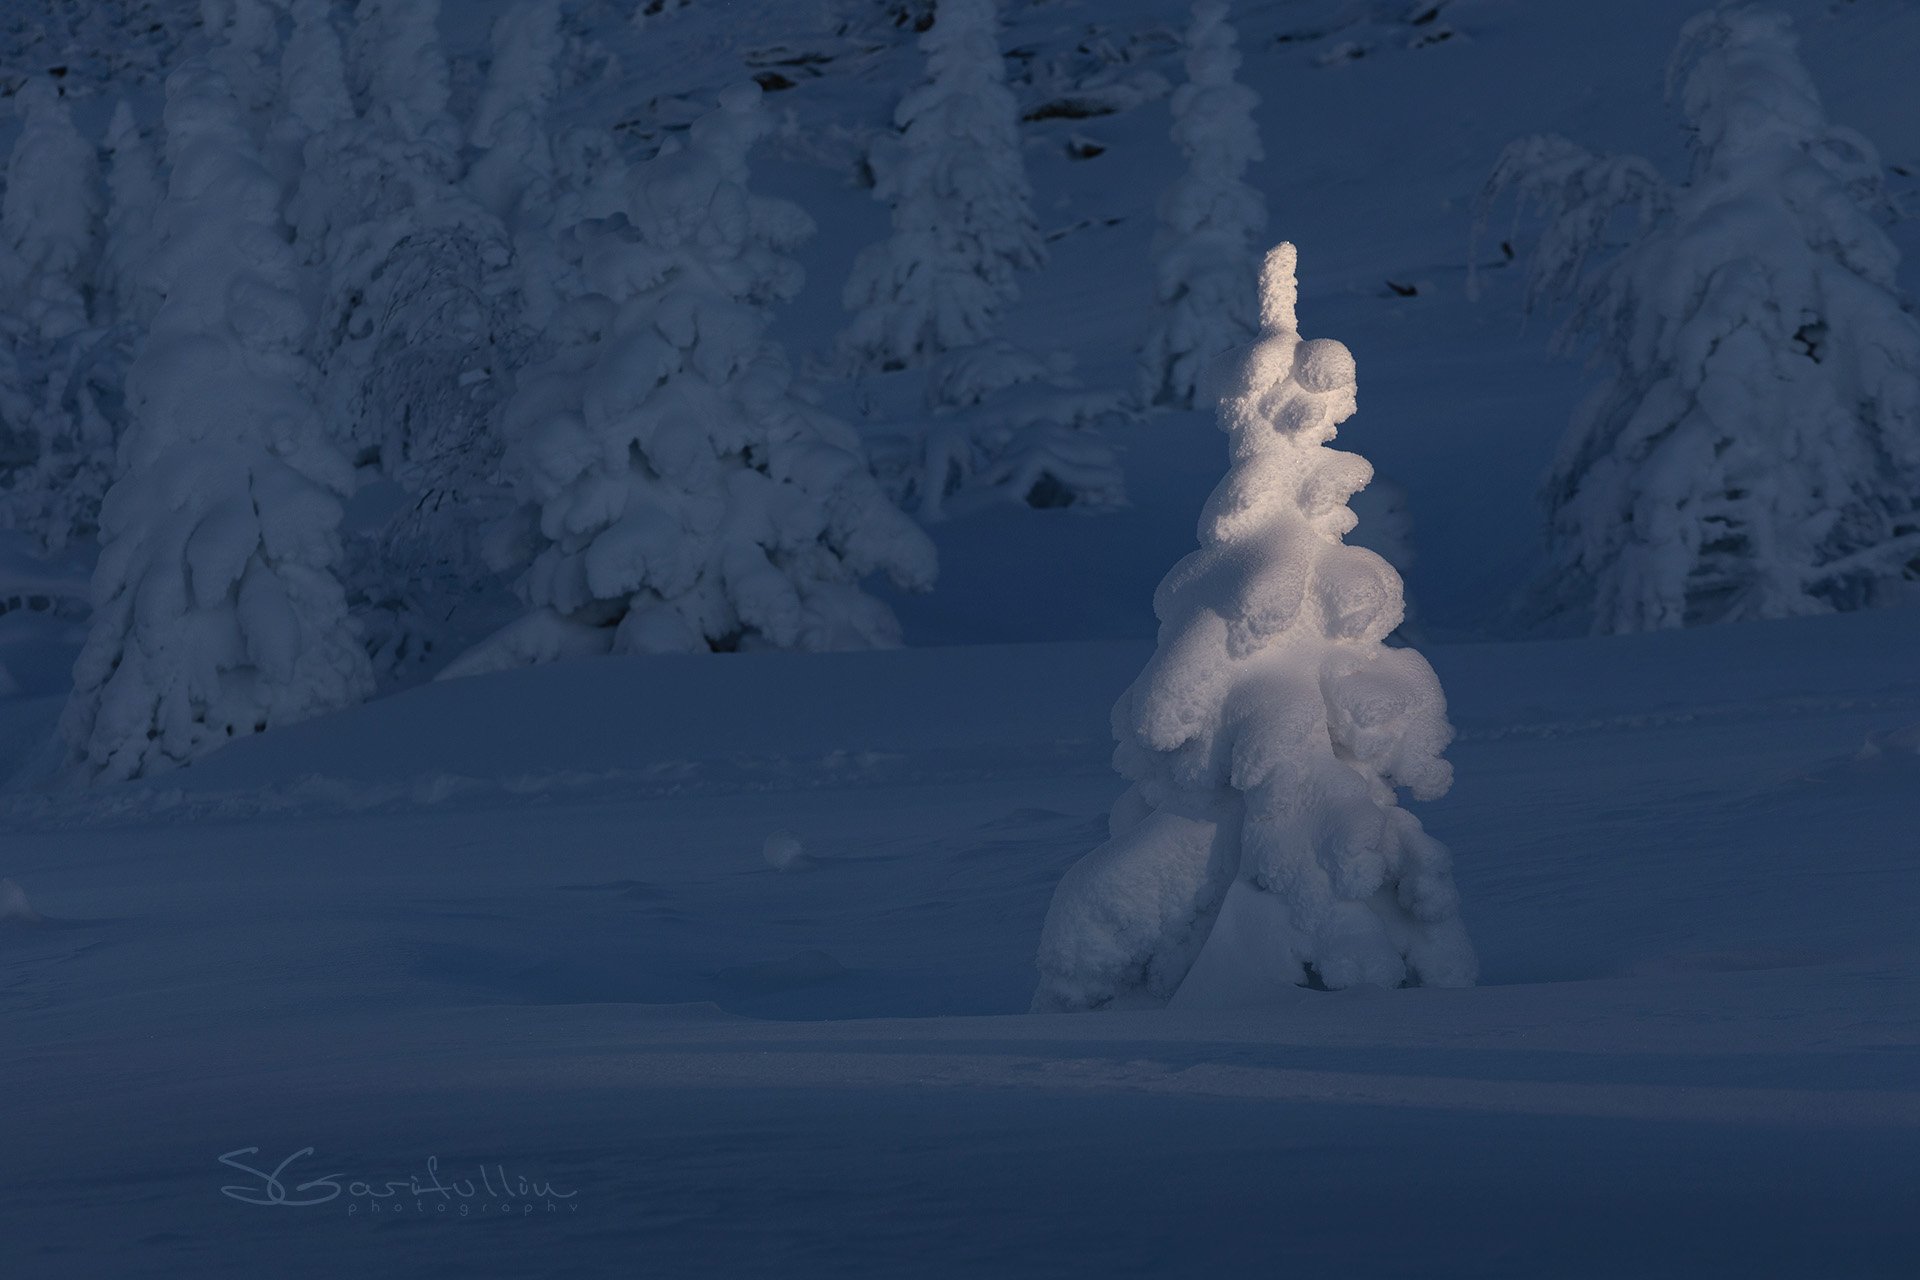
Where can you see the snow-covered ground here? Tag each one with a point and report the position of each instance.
(525, 923)
(525, 920)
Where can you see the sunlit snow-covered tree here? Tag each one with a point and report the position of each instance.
(962, 217)
(217, 612)
(679, 494)
(1262, 845)
(1756, 451)
(1205, 253)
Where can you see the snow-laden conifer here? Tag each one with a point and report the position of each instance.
(1262, 845)
(397, 68)
(962, 217)
(135, 192)
(49, 216)
(680, 495)
(514, 175)
(245, 38)
(217, 609)
(60, 357)
(1206, 250)
(1755, 452)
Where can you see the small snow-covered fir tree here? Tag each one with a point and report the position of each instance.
(135, 191)
(62, 360)
(1205, 253)
(1756, 451)
(398, 71)
(509, 125)
(316, 111)
(50, 216)
(1262, 845)
(514, 176)
(679, 494)
(962, 217)
(245, 36)
(217, 609)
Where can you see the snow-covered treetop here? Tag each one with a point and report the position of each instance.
(525, 74)
(399, 68)
(962, 217)
(1211, 220)
(313, 71)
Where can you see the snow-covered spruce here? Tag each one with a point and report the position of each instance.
(217, 611)
(1261, 845)
(245, 37)
(1003, 425)
(60, 362)
(50, 216)
(962, 217)
(135, 191)
(678, 494)
(423, 309)
(398, 72)
(1211, 221)
(1756, 451)
(514, 175)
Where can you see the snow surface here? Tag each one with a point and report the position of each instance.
(526, 920)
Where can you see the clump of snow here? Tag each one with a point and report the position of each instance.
(14, 905)
(1262, 845)
(1004, 425)
(784, 852)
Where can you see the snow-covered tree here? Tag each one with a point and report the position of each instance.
(1261, 845)
(1756, 450)
(509, 126)
(680, 495)
(62, 362)
(514, 176)
(135, 191)
(217, 612)
(962, 217)
(1211, 221)
(398, 71)
(245, 37)
(50, 216)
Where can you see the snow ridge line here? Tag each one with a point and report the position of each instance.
(1798, 706)
(322, 794)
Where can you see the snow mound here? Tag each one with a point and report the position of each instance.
(14, 905)
(784, 852)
